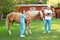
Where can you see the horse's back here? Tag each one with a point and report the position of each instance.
(14, 16)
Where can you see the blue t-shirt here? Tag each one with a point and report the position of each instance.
(22, 18)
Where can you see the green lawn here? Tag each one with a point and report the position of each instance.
(37, 28)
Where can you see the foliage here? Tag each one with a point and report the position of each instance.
(7, 6)
(44, 1)
(29, 1)
(53, 2)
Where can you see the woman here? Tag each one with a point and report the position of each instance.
(22, 24)
(47, 21)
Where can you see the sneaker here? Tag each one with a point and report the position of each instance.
(22, 35)
(48, 31)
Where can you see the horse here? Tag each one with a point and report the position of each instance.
(15, 17)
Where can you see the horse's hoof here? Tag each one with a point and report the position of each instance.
(26, 34)
(9, 33)
(30, 33)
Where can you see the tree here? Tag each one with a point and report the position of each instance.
(44, 1)
(53, 3)
(6, 6)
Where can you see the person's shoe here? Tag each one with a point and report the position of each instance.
(48, 31)
(22, 35)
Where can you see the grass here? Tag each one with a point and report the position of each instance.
(37, 28)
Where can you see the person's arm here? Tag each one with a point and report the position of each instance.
(51, 14)
(45, 12)
(24, 16)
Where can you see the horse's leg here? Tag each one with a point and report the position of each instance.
(29, 30)
(9, 29)
(26, 29)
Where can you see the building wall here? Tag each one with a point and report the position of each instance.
(57, 12)
(27, 8)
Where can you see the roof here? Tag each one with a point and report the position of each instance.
(18, 5)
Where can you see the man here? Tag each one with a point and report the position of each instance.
(47, 20)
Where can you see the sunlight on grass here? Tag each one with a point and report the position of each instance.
(16, 24)
(54, 36)
(33, 26)
(13, 28)
(2, 28)
(36, 28)
(58, 30)
(55, 26)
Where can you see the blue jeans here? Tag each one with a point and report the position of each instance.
(22, 28)
(47, 23)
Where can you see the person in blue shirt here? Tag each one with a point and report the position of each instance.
(22, 23)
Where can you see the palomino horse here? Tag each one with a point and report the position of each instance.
(15, 17)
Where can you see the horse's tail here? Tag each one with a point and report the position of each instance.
(7, 21)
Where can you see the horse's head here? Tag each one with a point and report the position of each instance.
(28, 18)
(33, 14)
